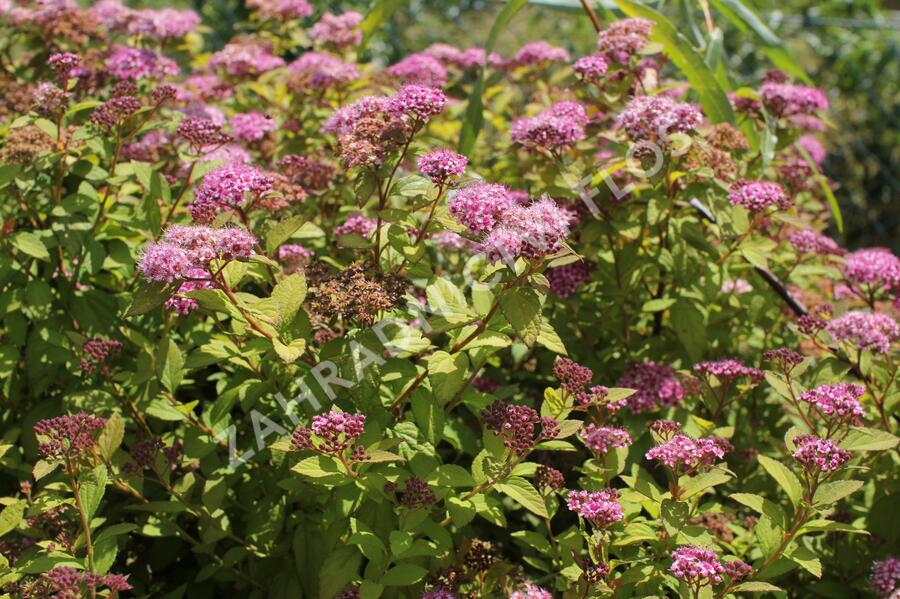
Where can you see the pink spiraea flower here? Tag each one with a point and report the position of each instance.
(228, 187)
(201, 133)
(786, 99)
(558, 127)
(539, 53)
(737, 286)
(331, 433)
(591, 68)
(601, 439)
(293, 257)
(419, 69)
(683, 454)
(819, 455)
(63, 581)
(518, 425)
(357, 223)
(838, 402)
(162, 24)
(182, 305)
(443, 167)
(811, 242)
(183, 248)
(656, 386)
(244, 60)
(865, 330)
(343, 120)
(281, 9)
(877, 267)
(547, 479)
(885, 577)
(757, 196)
(338, 30)
(655, 118)
(479, 206)
(437, 593)
(600, 508)
(97, 352)
(251, 126)
(624, 38)
(696, 565)
(69, 437)
(416, 103)
(113, 113)
(530, 591)
(323, 71)
(529, 231)
(565, 280)
(727, 371)
(126, 62)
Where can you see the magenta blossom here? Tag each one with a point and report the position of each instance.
(696, 566)
(600, 508)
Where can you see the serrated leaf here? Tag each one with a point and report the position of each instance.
(757, 587)
(288, 295)
(111, 436)
(30, 244)
(830, 492)
(150, 295)
(522, 308)
(786, 479)
(525, 494)
(11, 516)
(868, 439)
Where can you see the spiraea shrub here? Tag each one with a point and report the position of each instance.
(283, 322)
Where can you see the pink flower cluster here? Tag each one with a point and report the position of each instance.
(358, 224)
(114, 113)
(873, 266)
(885, 577)
(437, 593)
(331, 433)
(565, 280)
(655, 385)
(865, 330)
(419, 69)
(655, 118)
(839, 402)
(162, 24)
(530, 231)
(63, 64)
(443, 167)
(244, 60)
(281, 9)
(201, 133)
(682, 454)
(819, 455)
(251, 126)
(126, 62)
(518, 425)
(184, 248)
(591, 68)
(557, 127)
(338, 30)
(199, 279)
(727, 371)
(69, 437)
(479, 206)
(811, 242)
(416, 103)
(323, 71)
(786, 99)
(756, 196)
(228, 188)
(470, 58)
(538, 53)
(601, 439)
(547, 479)
(97, 351)
(64, 582)
(531, 591)
(293, 257)
(600, 508)
(696, 566)
(624, 38)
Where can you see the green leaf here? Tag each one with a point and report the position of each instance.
(807, 560)
(868, 439)
(92, 491)
(690, 328)
(319, 466)
(746, 20)
(678, 49)
(522, 308)
(761, 505)
(111, 436)
(30, 244)
(786, 479)
(523, 492)
(757, 587)
(447, 374)
(11, 516)
(403, 575)
(377, 17)
(836, 490)
(474, 117)
(170, 365)
(338, 569)
(288, 295)
(826, 189)
(281, 232)
(150, 295)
